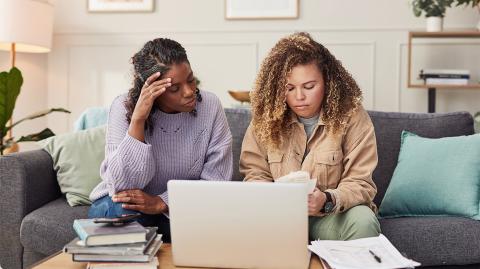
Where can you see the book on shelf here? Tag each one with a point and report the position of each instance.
(446, 81)
(96, 234)
(149, 254)
(77, 246)
(447, 76)
(118, 265)
(445, 71)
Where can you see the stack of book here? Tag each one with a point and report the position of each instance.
(445, 76)
(105, 246)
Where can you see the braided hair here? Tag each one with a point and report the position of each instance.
(156, 56)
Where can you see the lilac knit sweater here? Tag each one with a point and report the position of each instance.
(181, 146)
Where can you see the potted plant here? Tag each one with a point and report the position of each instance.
(434, 11)
(473, 4)
(10, 84)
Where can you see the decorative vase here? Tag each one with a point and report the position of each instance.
(434, 24)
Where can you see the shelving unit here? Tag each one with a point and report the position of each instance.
(433, 88)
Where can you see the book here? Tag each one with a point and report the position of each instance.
(425, 76)
(371, 252)
(447, 81)
(115, 265)
(148, 256)
(78, 246)
(96, 234)
(445, 71)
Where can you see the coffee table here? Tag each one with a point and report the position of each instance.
(62, 260)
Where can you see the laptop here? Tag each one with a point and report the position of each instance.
(239, 224)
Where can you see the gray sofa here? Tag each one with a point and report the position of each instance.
(36, 221)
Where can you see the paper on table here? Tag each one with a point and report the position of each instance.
(299, 177)
(355, 254)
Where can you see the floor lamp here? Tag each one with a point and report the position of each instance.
(25, 26)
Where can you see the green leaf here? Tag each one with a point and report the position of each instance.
(38, 115)
(432, 8)
(466, 3)
(10, 84)
(37, 136)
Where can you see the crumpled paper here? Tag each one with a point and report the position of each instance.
(299, 177)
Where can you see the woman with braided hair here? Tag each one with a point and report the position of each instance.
(307, 115)
(164, 128)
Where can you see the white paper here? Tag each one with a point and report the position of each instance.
(299, 177)
(355, 254)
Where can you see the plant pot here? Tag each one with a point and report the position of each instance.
(434, 24)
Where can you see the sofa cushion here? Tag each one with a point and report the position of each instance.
(47, 229)
(431, 179)
(238, 120)
(435, 240)
(76, 159)
(389, 126)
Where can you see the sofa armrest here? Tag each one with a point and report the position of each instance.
(27, 182)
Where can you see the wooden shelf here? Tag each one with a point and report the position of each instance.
(443, 86)
(467, 33)
(470, 33)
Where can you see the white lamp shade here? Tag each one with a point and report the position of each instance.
(27, 23)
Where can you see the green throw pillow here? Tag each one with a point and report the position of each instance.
(76, 159)
(435, 177)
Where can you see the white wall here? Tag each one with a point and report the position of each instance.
(89, 63)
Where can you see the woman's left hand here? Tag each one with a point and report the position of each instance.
(140, 201)
(316, 200)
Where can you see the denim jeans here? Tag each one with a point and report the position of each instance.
(105, 208)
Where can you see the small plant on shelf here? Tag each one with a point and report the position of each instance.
(431, 8)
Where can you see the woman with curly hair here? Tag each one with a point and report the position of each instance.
(307, 115)
(164, 128)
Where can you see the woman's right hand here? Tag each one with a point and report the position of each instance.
(152, 89)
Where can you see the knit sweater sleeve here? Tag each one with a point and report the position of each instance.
(219, 158)
(218, 164)
(129, 163)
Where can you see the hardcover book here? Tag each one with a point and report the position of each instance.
(96, 234)
(76, 246)
(149, 255)
(116, 265)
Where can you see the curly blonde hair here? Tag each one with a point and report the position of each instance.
(269, 108)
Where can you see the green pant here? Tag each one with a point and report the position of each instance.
(357, 222)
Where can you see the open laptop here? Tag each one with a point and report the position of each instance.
(238, 224)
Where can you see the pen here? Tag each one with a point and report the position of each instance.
(375, 256)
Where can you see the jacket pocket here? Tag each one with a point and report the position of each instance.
(328, 168)
(275, 159)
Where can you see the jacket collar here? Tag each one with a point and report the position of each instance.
(294, 119)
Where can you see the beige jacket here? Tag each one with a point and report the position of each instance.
(342, 163)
